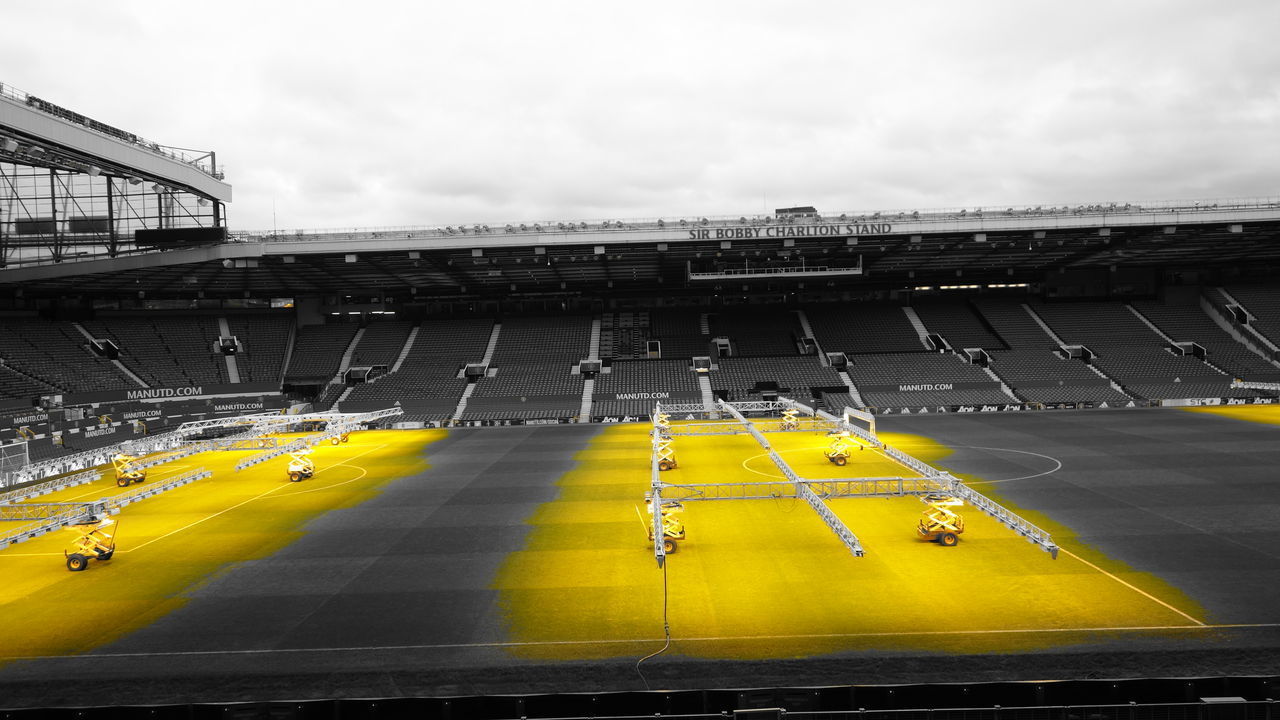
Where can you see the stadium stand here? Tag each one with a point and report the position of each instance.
(922, 378)
(758, 331)
(532, 370)
(58, 355)
(674, 376)
(18, 390)
(381, 343)
(165, 350)
(623, 335)
(264, 340)
(654, 380)
(680, 332)
(864, 328)
(565, 338)
(527, 379)
(318, 351)
(1034, 366)
(1189, 323)
(1263, 302)
(958, 323)
(1129, 351)
(429, 380)
(749, 377)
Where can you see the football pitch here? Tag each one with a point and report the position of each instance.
(503, 559)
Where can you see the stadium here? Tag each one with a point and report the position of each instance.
(554, 467)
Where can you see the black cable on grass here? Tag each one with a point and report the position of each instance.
(666, 629)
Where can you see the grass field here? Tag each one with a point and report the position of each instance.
(175, 541)
(756, 579)
(767, 579)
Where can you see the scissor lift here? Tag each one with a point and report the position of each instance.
(93, 542)
(940, 523)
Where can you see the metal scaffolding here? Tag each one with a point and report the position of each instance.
(813, 491)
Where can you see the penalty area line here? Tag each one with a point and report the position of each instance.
(630, 641)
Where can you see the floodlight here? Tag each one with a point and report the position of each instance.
(93, 171)
(135, 181)
(202, 202)
(10, 145)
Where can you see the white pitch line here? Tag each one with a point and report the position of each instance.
(246, 502)
(1131, 586)
(626, 641)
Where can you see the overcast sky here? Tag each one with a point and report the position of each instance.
(344, 114)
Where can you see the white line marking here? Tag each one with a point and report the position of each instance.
(1130, 586)
(246, 502)
(623, 641)
(1050, 458)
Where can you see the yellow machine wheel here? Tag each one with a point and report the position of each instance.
(669, 545)
(122, 482)
(840, 460)
(665, 465)
(948, 539)
(77, 562)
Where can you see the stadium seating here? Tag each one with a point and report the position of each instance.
(623, 335)
(958, 323)
(381, 343)
(58, 355)
(743, 378)
(680, 332)
(166, 350)
(913, 379)
(1129, 351)
(1263, 302)
(647, 376)
(758, 331)
(1189, 323)
(318, 350)
(566, 338)
(264, 340)
(1034, 366)
(431, 370)
(864, 328)
(18, 390)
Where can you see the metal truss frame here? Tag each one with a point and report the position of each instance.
(813, 491)
(254, 425)
(51, 516)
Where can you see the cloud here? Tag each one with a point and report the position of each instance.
(325, 115)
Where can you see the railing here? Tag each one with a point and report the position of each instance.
(933, 215)
(44, 106)
(45, 488)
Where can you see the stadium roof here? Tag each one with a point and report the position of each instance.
(642, 257)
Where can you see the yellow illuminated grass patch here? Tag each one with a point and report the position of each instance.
(1265, 414)
(767, 579)
(172, 542)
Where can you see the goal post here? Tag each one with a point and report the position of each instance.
(13, 458)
